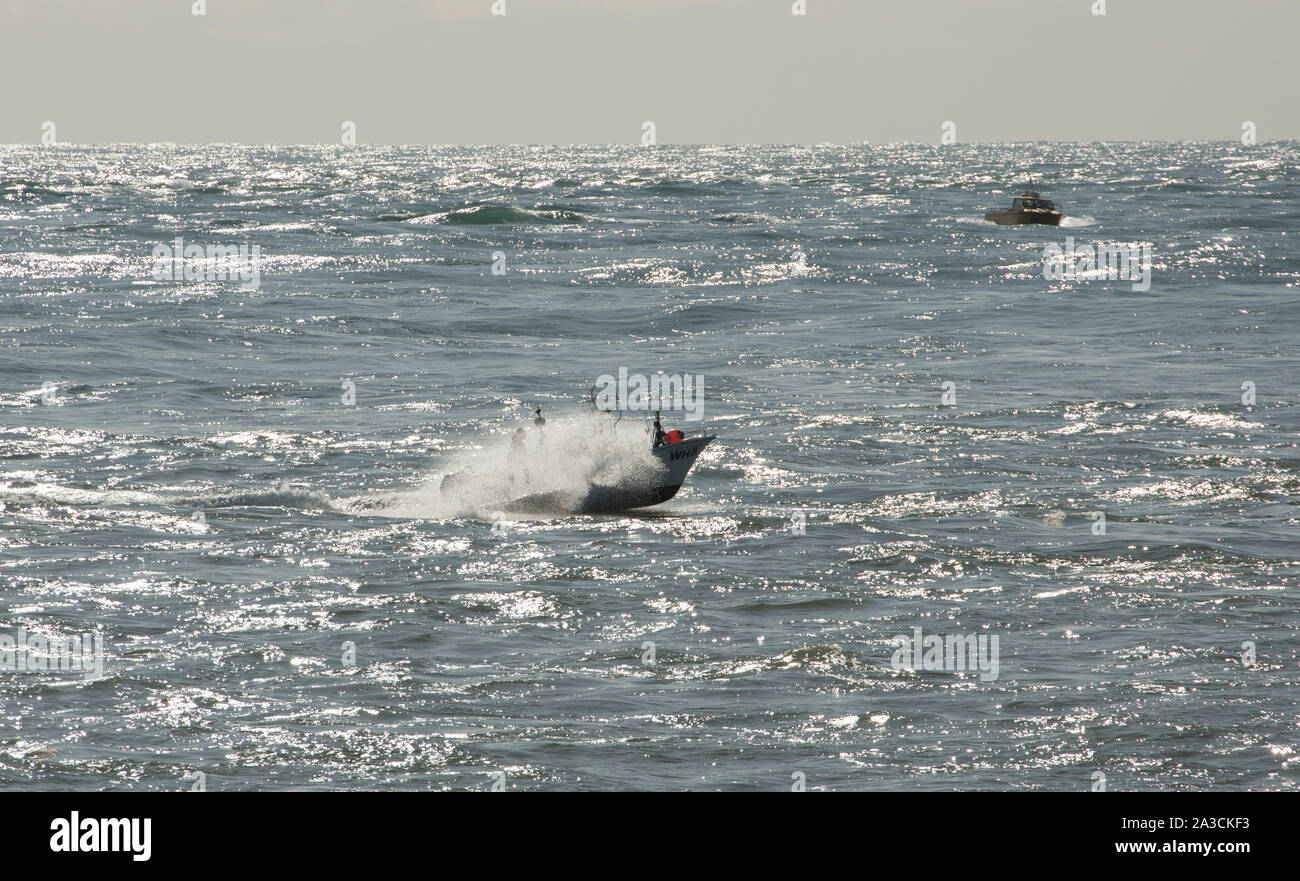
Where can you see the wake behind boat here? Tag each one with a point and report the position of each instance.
(595, 473)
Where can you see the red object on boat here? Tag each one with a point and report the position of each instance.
(674, 437)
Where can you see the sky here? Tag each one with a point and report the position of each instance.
(594, 71)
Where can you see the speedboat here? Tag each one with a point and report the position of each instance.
(677, 459)
(1028, 207)
(608, 491)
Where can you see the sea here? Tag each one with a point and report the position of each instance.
(978, 516)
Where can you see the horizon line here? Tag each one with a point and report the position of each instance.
(557, 144)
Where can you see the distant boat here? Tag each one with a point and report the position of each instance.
(1028, 207)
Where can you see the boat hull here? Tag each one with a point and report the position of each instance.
(1018, 218)
(677, 460)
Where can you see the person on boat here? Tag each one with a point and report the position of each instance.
(540, 422)
(517, 460)
(665, 437)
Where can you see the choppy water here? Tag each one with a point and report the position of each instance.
(521, 650)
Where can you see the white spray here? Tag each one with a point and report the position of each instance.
(561, 460)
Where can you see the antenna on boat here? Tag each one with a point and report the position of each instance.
(617, 412)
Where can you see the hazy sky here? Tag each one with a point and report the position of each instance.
(592, 71)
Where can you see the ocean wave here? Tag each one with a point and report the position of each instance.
(503, 215)
(282, 497)
(28, 191)
(739, 217)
